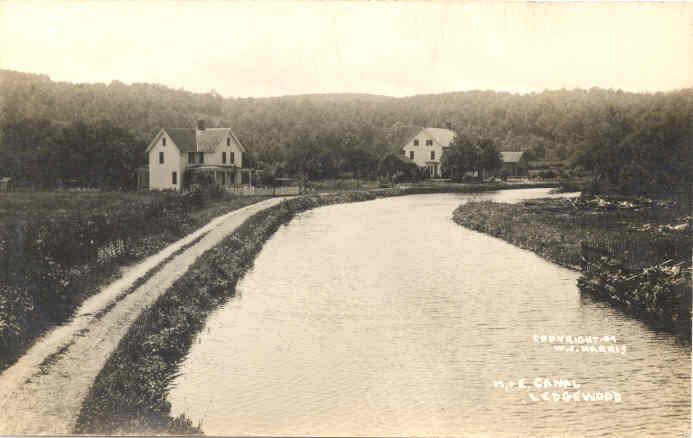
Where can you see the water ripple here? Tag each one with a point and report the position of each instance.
(385, 318)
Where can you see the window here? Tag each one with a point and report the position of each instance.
(228, 141)
(163, 141)
(429, 142)
(161, 158)
(411, 155)
(201, 157)
(231, 157)
(416, 142)
(433, 155)
(223, 157)
(174, 178)
(191, 157)
(403, 152)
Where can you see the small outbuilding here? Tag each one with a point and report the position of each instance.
(514, 163)
(6, 184)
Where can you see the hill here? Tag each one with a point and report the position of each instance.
(582, 126)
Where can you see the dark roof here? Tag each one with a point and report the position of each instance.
(209, 139)
(199, 140)
(184, 138)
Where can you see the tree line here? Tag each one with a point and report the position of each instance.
(96, 133)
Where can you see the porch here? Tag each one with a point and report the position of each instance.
(432, 169)
(223, 176)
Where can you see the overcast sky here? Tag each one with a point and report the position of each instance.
(243, 49)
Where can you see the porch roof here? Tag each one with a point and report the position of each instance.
(225, 167)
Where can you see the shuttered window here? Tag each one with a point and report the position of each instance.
(223, 158)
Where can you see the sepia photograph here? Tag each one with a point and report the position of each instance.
(346, 218)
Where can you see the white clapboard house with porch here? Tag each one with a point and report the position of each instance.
(426, 148)
(177, 153)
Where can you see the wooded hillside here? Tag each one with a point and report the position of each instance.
(95, 134)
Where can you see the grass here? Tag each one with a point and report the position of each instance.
(610, 240)
(129, 394)
(49, 247)
(15, 205)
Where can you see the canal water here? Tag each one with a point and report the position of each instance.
(386, 318)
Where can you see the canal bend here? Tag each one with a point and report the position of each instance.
(386, 318)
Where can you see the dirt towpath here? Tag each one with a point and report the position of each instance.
(42, 392)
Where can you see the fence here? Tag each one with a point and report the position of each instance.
(264, 191)
(634, 254)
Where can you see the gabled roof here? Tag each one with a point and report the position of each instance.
(208, 139)
(198, 140)
(511, 157)
(441, 136)
(184, 138)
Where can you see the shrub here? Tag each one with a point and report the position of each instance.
(547, 174)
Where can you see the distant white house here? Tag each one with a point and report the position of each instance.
(426, 148)
(212, 151)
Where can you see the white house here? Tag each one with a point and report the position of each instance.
(427, 147)
(213, 151)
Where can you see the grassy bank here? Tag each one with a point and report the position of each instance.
(635, 253)
(425, 186)
(129, 394)
(59, 248)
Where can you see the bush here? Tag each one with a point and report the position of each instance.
(50, 257)
(202, 188)
(547, 174)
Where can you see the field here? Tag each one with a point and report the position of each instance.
(55, 203)
(58, 248)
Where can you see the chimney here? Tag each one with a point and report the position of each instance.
(201, 125)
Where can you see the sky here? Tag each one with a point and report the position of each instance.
(274, 48)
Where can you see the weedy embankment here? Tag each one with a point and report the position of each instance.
(633, 252)
(129, 394)
(59, 248)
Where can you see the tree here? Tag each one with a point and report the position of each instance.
(360, 162)
(490, 159)
(397, 168)
(470, 154)
(461, 157)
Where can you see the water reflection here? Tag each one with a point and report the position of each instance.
(386, 318)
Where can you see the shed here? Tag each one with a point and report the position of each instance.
(6, 184)
(514, 163)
